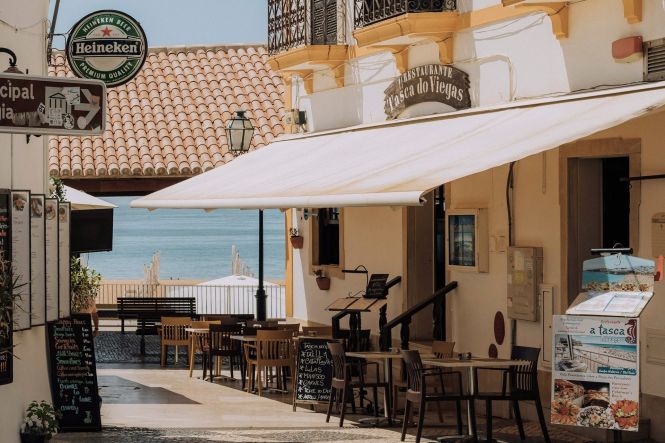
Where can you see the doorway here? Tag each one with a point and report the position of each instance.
(599, 206)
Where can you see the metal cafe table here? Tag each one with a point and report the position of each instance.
(387, 358)
(469, 365)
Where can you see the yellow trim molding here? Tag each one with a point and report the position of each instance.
(423, 24)
(309, 55)
(558, 13)
(632, 10)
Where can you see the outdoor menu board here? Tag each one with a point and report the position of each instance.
(20, 225)
(6, 360)
(314, 371)
(52, 252)
(38, 260)
(376, 288)
(64, 299)
(595, 377)
(73, 374)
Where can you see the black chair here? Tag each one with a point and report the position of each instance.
(417, 392)
(343, 384)
(520, 383)
(220, 344)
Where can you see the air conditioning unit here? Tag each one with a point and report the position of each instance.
(654, 60)
(295, 117)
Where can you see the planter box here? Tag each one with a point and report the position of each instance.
(323, 283)
(297, 241)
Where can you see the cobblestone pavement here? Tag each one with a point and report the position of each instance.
(115, 347)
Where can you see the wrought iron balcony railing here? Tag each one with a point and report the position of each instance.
(294, 23)
(368, 12)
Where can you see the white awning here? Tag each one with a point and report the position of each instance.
(395, 163)
(81, 201)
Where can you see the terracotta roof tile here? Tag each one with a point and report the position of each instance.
(170, 119)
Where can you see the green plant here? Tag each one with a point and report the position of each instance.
(9, 293)
(41, 419)
(57, 189)
(85, 284)
(294, 232)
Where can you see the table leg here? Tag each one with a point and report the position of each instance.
(389, 400)
(191, 354)
(472, 391)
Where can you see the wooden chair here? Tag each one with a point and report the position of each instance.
(318, 331)
(440, 349)
(274, 349)
(520, 383)
(417, 392)
(200, 342)
(221, 345)
(342, 385)
(173, 334)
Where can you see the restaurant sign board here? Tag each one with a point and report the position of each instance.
(429, 83)
(595, 376)
(50, 105)
(107, 45)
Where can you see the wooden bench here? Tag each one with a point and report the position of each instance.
(148, 312)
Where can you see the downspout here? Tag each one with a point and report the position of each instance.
(509, 196)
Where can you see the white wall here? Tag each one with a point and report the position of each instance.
(23, 166)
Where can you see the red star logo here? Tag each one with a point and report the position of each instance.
(106, 32)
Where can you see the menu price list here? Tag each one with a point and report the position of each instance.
(6, 360)
(314, 371)
(73, 373)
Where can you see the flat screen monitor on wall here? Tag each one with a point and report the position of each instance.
(92, 231)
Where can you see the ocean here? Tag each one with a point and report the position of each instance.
(194, 244)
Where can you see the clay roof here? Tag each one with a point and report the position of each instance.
(169, 120)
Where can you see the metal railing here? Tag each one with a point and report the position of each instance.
(295, 23)
(368, 12)
(209, 299)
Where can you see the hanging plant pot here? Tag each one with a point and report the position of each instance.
(323, 283)
(297, 241)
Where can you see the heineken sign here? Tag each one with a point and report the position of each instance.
(429, 83)
(107, 45)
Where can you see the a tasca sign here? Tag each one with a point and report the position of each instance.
(49, 105)
(429, 83)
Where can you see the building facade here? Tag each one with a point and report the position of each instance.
(23, 165)
(338, 62)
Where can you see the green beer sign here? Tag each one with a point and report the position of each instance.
(107, 45)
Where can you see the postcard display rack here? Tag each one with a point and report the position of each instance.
(596, 346)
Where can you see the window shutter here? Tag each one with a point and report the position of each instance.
(324, 22)
(331, 22)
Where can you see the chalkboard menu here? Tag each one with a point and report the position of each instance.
(376, 288)
(314, 371)
(73, 373)
(6, 360)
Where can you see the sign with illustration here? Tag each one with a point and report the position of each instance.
(107, 45)
(52, 258)
(49, 105)
(615, 285)
(429, 83)
(64, 256)
(595, 373)
(20, 222)
(37, 259)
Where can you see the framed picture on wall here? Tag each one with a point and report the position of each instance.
(467, 239)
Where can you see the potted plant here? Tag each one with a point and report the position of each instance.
(85, 284)
(297, 240)
(322, 281)
(9, 285)
(40, 424)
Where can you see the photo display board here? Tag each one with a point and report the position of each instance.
(595, 373)
(38, 260)
(52, 258)
(20, 226)
(73, 373)
(64, 298)
(314, 371)
(6, 339)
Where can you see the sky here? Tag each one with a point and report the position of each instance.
(178, 22)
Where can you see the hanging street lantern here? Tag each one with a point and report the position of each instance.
(239, 132)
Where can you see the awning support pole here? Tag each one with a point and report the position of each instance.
(260, 292)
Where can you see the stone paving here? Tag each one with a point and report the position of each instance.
(115, 347)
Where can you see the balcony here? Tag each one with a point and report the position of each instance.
(306, 35)
(368, 12)
(397, 23)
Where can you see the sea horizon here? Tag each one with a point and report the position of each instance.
(193, 244)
